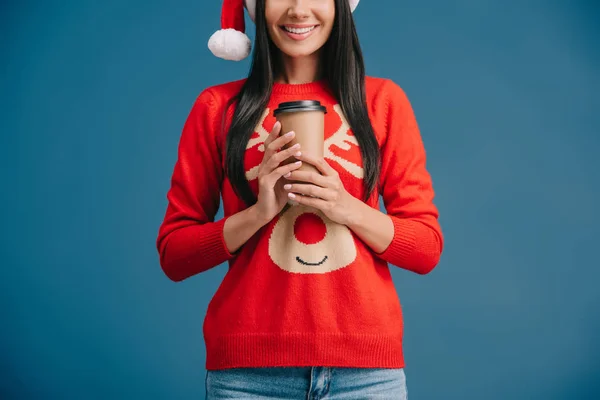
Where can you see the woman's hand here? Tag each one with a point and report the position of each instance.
(324, 191)
(272, 197)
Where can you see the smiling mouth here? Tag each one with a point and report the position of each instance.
(301, 261)
(297, 30)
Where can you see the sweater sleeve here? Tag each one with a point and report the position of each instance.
(407, 190)
(189, 241)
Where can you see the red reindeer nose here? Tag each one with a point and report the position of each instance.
(309, 228)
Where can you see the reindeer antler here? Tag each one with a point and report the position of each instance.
(342, 139)
(262, 136)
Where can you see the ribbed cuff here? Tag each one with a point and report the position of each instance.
(194, 249)
(403, 244)
(212, 243)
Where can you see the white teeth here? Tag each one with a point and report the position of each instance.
(299, 31)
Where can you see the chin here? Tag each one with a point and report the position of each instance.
(299, 50)
(299, 53)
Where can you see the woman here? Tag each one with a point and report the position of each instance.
(307, 308)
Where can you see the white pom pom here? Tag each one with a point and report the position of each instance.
(230, 44)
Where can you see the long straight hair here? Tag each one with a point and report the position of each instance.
(343, 69)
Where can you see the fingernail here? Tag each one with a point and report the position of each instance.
(298, 162)
(296, 146)
(287, 187)
(290, 134)
(288, 174)
(298, 154)
(291, 195)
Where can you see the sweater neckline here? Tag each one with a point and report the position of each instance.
(300, 88)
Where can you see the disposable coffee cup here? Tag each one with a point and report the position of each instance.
(307, 119)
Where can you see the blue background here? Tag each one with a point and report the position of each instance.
(94, 96)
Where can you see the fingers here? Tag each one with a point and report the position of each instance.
(309, 190)
(277, 158)
(310, 177)
(284, 170)
(314, 202)
(272, 136)
(278, 143)
(272, 157)
(319, 162)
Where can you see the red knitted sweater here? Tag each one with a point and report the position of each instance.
(303, 291)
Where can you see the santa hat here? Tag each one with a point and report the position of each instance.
(231, 42)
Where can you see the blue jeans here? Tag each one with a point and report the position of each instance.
(306, 383)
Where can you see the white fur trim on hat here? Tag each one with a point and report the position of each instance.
(230, 44)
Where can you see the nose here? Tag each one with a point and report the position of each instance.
(298, 9)
(309, 228)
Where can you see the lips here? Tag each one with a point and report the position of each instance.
(299, 32)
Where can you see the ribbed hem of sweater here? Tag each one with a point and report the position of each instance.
(255, 350)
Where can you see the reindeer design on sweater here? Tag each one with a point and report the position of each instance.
(303, 240)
